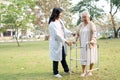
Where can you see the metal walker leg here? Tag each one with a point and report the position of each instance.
(76, 58)
(89, 53)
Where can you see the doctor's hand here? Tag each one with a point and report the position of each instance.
(68, 43)
(73, 34)
(74, 42)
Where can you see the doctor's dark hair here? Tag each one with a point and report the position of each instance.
(55, 14)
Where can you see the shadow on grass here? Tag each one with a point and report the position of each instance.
(49, 76)
(42, 76)
(26, 76)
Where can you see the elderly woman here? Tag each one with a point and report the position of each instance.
(87, 36)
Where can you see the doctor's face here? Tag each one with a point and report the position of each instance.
(60, 16)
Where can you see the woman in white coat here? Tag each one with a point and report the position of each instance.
(58, 41)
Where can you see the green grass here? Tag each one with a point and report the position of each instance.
(31, 62)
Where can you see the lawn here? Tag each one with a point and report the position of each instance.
(31, 62)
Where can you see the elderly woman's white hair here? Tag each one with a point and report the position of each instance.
(85, 13)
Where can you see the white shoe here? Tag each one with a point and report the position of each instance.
(90, 73)
(83, 75)
(67, 72)
(58, 76)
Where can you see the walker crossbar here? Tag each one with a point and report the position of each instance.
(78, 59)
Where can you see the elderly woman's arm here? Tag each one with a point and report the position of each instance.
(94, 32)
(78, 32)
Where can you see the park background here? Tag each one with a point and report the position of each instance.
(24, 37)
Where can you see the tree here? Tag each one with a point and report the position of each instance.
(66, 4)
(46, 6)
(16, 17)
(87, 5)
(2, 9)
(114, 7)
(105, 26)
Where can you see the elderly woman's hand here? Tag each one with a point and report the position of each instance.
(92, 44)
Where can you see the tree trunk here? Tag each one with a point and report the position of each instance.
(114, 28)
(17, 41)
(16, 37)
(115, 34)
(118, 32)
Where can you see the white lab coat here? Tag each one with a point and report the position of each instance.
(57, 40)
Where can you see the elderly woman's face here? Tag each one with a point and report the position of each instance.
(85, 18)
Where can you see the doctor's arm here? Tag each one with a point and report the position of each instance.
(58, 36)
(69, 33)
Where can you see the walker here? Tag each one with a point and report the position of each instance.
(75, 58)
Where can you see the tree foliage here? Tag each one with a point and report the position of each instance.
(114, 8)
(46, 7)
(88, 5)
(67, 16)
(19, 13)
(15, 16)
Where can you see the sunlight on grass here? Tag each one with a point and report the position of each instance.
(31, 62)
